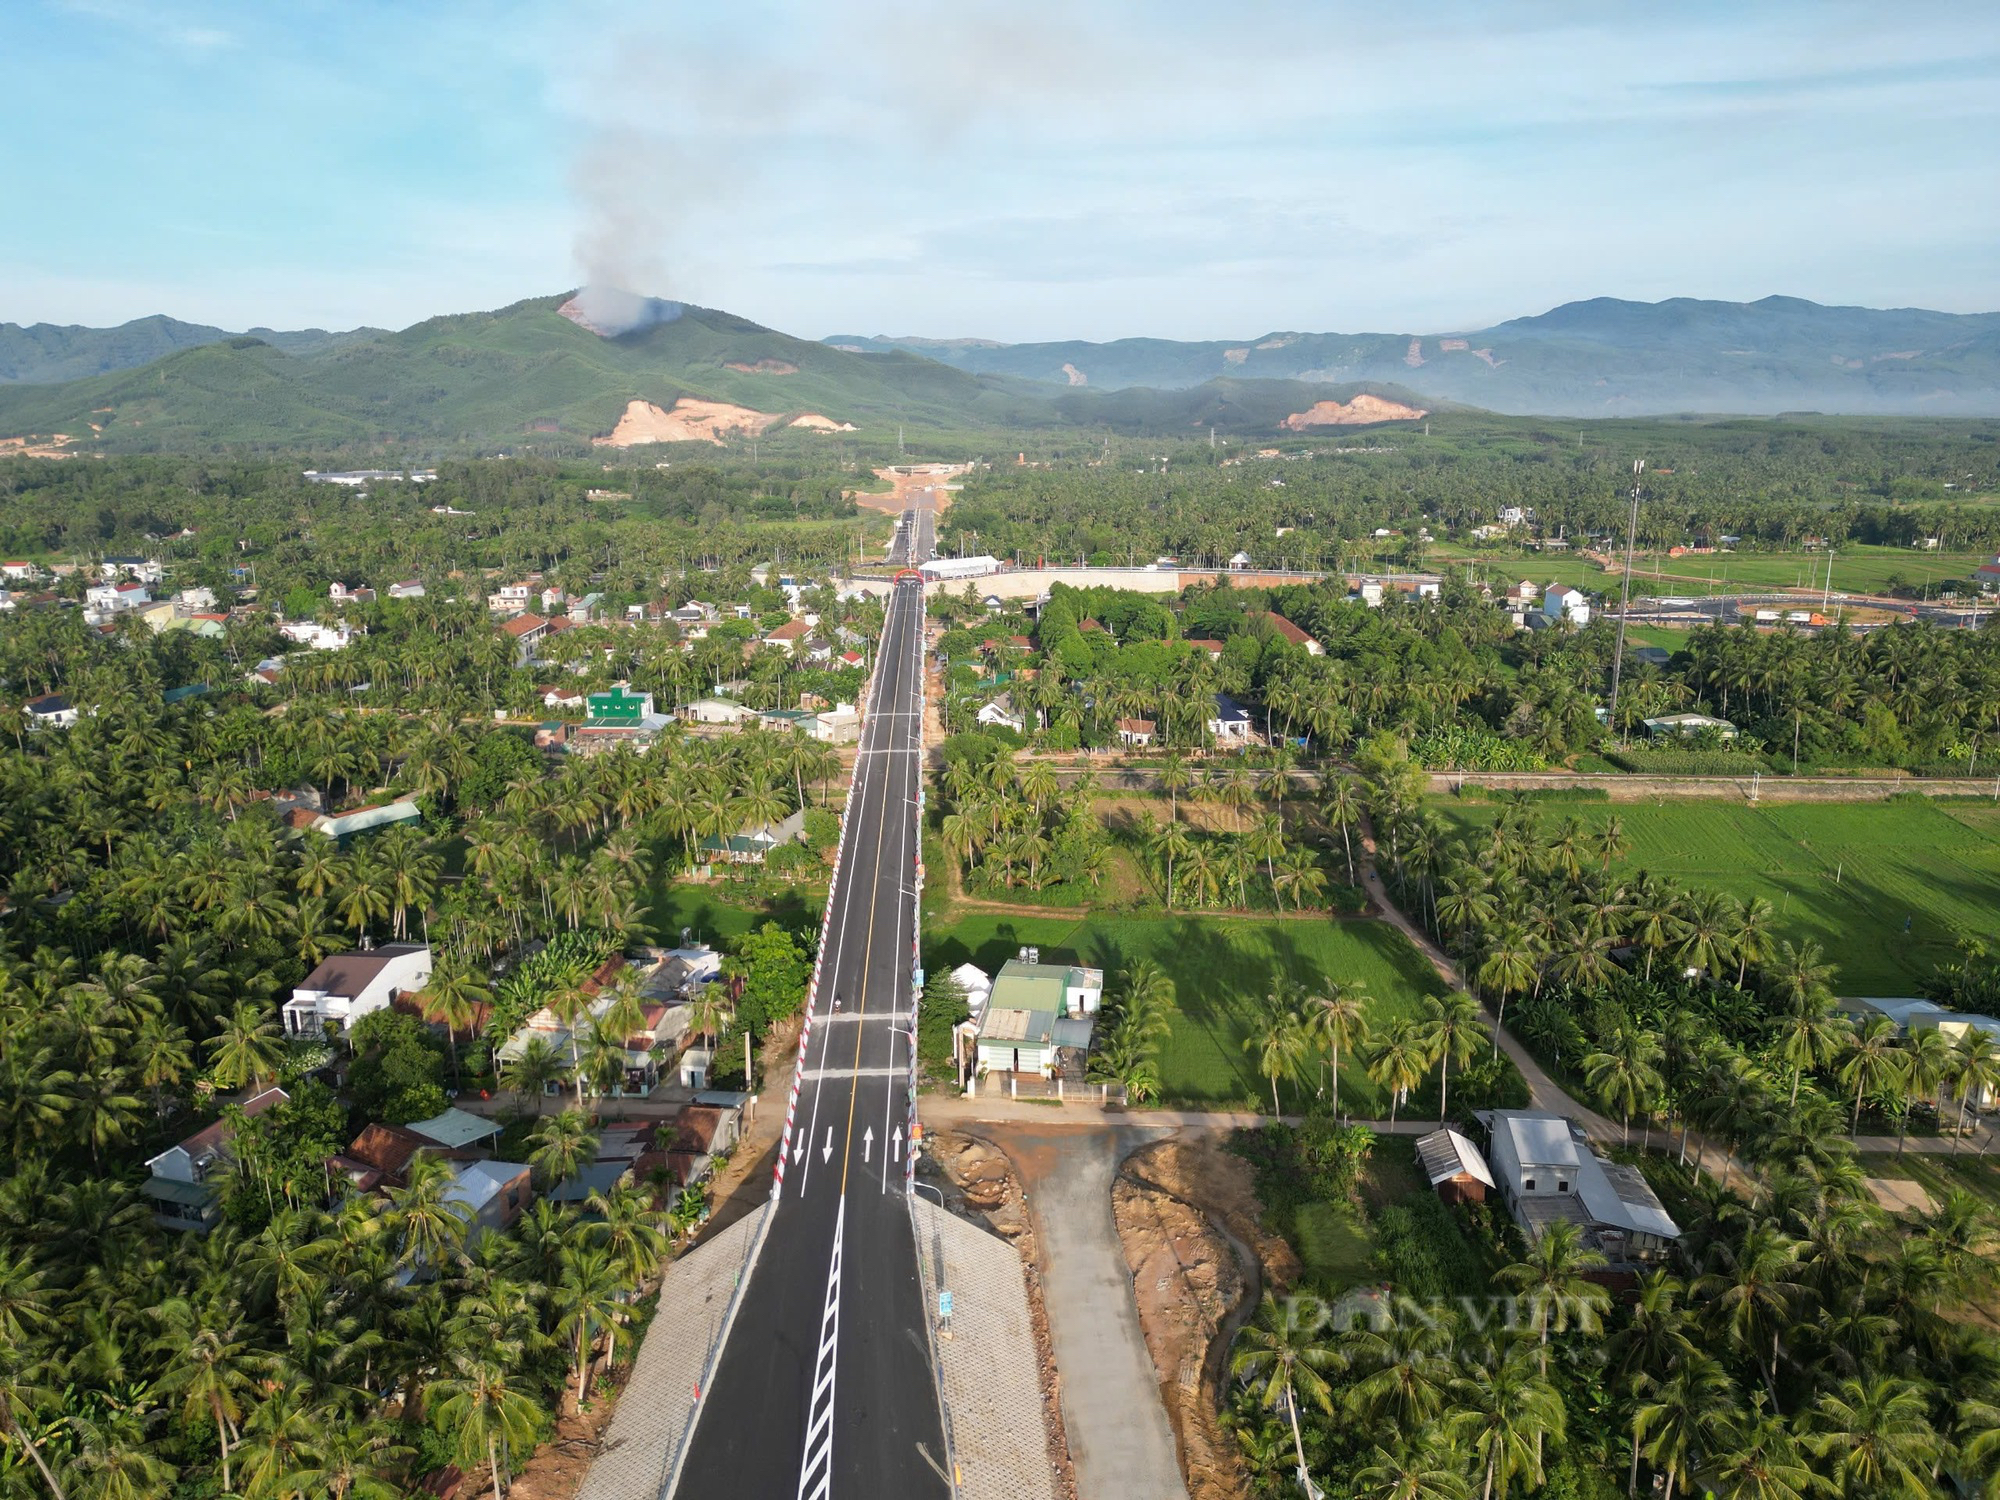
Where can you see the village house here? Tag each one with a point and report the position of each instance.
(789, 636)
(347, 986)
(183, 1180)
(1000, 712)
(102, 599)
(1675, 725)
(408, 590)
(1457, 1171)
(527, 632)
(317, 636)
(1564, 603)
(1547, 1172)
(716, 711)
(140, 569)
(751, 845)
(1293, 634)
(50, 711)
(1135, 734)
(1230, 725)
(341, 827)
(20, 572)
(509, 599)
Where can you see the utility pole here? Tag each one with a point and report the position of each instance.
(1625, 594)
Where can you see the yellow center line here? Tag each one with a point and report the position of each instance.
(860, 1030)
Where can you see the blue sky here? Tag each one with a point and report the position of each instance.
(1020, 170)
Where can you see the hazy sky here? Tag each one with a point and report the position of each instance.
(1010, 170)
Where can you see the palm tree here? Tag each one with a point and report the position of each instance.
(1554, 1280)
(1509, 967)
(431, 1227)
(1651, 1342)
(1877, 1436)
(1281, 1353)
(1927, 1056)
(1750, 934)
(1756, 1459)
(562, 1147)
(1450, 1029)
(590, 1301)
(1625, 1073)
(1810, 1035)
(1874, 1061)
(1338, 1021)
(1676, 1429)
(249, 1048)
(532, 1071)
(1279, 1044)
(1416, 1470)
(1174, 777)
(1507, 1409)
(454, 996)
(1975, 1069)
(1752, 1292)
(210, 1368)
(1169, 842)
(488, 1416)
(1341, 808)
(1397, 1061)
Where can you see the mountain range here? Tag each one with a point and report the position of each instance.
(1602, 357)
(540, 373)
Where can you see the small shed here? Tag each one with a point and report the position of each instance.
(1455, 1167)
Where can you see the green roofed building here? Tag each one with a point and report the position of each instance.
(619, 707)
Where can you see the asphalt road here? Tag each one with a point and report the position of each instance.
(825, 1387)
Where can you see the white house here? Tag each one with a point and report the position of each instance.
(1239, 561)
(716, 711)
(1002, 713)
(319, 637)
(143, 569)
(508, 599)
(412, 589)
(1231, 724)
(50, 711)
(19, 572)
(1136, 734)
(112, 598)
(1547, 1172)
(972, 979)
(1562, 602)
(1679, 724)
(348, 986)
(182, 1179)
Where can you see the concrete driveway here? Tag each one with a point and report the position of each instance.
(1119, 1439)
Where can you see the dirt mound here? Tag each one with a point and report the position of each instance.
(37, 446)
(1359, 412)
(1200, 1256)
(764, 367)
(687, 421)
(817, 423)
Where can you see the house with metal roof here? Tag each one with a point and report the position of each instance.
(1036, 1013)
(749, 846)
(457, 1130)
(340, 826)
(1547, 1171)
(1454, 1166)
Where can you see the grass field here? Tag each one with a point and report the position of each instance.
(1222, 969)
(715, 914)
(1886, 888)
(1856, 570)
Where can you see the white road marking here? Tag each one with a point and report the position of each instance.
(867, 1142)
(826, 1152)
(818, 1458)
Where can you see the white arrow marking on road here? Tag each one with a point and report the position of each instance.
(899, 1143)
(867, 1142)
(798, 1148)
(826, 1152)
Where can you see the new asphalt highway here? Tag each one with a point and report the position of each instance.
(825, 1386)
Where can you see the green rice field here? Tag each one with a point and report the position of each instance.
(1222, 969)
(1886, 888)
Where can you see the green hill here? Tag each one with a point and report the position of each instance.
(496, 379)
(527, 376)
